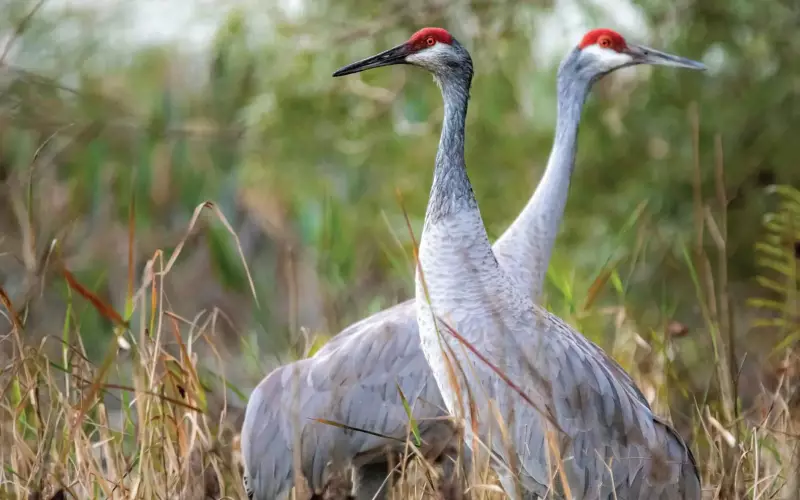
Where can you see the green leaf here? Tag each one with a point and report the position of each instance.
(414, 427)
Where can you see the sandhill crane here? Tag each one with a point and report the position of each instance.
(609, 442)
(353, 378)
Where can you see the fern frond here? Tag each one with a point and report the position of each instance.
(778, 260)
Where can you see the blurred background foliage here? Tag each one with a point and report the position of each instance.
(171, 105)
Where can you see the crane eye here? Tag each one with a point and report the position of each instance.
(604, 42)
(430, 41)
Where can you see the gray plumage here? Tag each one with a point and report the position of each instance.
(352, 382)
(605, 439)
(352, 379)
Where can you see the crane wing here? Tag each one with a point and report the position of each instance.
(612, 444)
(352, 380)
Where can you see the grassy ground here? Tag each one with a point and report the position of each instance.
(176, 435)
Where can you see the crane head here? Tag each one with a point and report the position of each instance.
(603, 51)
(431, 48)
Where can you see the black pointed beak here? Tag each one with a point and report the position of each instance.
(646, 55)
(395, 55)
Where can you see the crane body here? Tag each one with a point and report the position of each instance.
(354, 378)
(370, 359)
(571, 407)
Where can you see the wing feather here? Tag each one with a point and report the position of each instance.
(352, 380)
(611, 430)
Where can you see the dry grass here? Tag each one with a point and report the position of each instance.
(176, 437)
(172, 440)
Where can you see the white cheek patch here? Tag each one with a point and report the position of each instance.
(429, 55)
(608, 58)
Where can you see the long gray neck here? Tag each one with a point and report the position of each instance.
(451, 191)
(525, 248)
